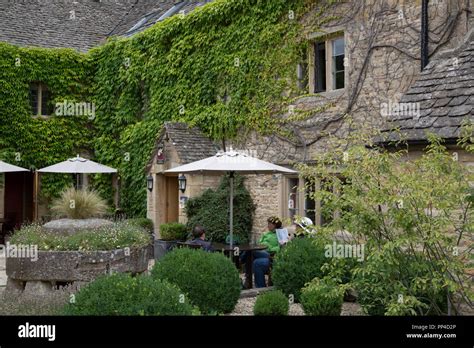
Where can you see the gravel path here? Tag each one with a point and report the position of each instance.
(245, 307)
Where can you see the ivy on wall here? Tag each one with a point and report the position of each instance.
(228, 67)
(37, 142)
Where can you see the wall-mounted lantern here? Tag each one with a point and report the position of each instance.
(182, 183)
(149, 183)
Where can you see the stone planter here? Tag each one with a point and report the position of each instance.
(73, 268)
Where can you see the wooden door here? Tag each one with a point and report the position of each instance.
(172, 199)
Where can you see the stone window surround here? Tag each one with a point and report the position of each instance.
(41, 87)
(301, 200)
(327, 36)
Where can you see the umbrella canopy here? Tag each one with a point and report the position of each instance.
(78, 165)
(8, 168)
(231, 161)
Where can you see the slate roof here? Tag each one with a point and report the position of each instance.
(445, 93)
(49, 23)
(190, 143)
(146, 13)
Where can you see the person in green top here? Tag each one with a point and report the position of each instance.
(261, 258)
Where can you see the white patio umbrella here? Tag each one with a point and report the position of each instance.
(75, 165)
(9, 168)
(231, 162)
(78, 165)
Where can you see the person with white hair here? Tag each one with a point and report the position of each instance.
(304, 226)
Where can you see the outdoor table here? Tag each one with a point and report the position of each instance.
(241, 248)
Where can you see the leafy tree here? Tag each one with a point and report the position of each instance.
(414, 216)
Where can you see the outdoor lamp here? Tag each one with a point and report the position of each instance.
(149, 183)
(182, 183)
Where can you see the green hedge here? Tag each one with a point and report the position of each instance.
(211, 280)
(298, 263)
(173, 231)
(211, 210)
(322, 297)
(121, 294)
(271, 303)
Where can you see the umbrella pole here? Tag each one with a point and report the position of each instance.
(35, 195)
(231, 213)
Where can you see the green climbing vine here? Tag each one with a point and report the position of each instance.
(34, 142)
(228, 67)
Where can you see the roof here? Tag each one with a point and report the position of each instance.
(190, 143)
(80, 24)
(146, 13)
(444, 93)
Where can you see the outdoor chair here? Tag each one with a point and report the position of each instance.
(188, 245)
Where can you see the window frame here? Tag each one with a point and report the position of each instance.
(39, 104)
(330, 80)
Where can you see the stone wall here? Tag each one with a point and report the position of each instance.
(196, 184)
(266, 194)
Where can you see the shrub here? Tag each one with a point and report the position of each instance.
(121, 294)
(415, 218)
(211, 210)
(322, 297)
(173, 231)
(79, 204)
(271, 303)
(120, 235)
(210, 279)
(144, 223)
(389, 285)
(298, 263)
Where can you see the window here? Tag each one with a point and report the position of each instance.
(328, 70)
(320, 66)
(338, 63)
(306, 204)
(293, 197)
(40, 98)
(295, 200)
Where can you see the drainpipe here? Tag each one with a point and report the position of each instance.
(424, 34)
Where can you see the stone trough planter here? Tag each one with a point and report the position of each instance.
(72, 268)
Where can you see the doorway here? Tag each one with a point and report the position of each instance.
(18, 207)
(172, 199)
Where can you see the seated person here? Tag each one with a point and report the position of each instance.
(261, 258)
(199, 236)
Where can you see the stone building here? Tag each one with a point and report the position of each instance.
(176, 145)
(363, 57)
(80, 25)
(360, 64)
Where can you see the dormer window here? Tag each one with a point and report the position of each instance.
(40, 99)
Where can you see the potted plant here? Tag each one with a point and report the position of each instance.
(170, 234)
